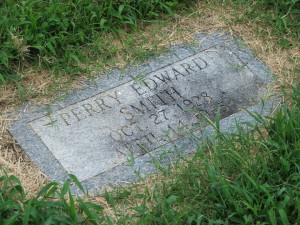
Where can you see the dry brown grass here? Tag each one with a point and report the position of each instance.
(13, 158)
(176, 31)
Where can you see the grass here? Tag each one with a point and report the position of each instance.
(54, 204)
(59, 35)
(282, 16)
(69, 37)
(249, 177)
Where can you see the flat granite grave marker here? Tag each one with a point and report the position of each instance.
(140, 112)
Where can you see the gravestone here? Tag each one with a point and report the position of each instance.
(118, 124)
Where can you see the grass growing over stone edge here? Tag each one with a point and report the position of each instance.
(249, 177)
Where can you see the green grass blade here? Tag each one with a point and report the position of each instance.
(65, 188)
(46, 189)
(272, 217)
(27, 212)
(283, 217)
(49, 221)
(12, 219)
(72, 206)
(93, 217)
(77, 182)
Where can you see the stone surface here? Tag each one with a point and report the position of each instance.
(139, 113)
